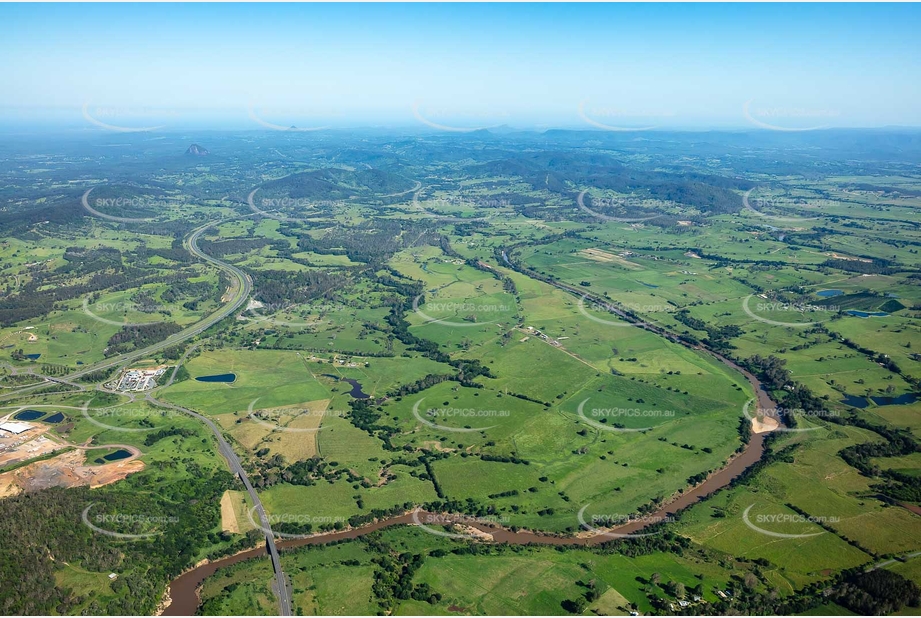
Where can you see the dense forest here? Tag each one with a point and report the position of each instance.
(42, 532)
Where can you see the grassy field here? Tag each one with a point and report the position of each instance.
(582, 412)
(239, 590)
(820, 484)
(497, 581)
(581, 462)
(331, 502)
(275, 378)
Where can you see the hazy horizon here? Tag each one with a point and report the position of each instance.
(457, 68)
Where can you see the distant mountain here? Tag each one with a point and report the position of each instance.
(503, 129)
(197, 151)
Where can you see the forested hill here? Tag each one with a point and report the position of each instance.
(559, 172)
(338, 184)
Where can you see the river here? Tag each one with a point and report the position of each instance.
(183, 591)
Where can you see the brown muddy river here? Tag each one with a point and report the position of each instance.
(183, 591)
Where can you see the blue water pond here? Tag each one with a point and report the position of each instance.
(221, 377)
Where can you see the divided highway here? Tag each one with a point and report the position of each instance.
(242, 287)
(284, 598)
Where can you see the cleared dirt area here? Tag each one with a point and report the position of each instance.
(228, 517)
(435, 445)
(764, 424)
(67, 470)
(26, 446)
(233, 512)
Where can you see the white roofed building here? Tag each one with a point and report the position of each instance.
(14, 427)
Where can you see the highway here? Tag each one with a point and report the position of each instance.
(243, 286)
(284, 595)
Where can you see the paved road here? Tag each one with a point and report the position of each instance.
(243, 287)
(284, 598)
(45, 380)
(172, 376)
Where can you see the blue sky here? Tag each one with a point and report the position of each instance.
(463, 65)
